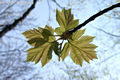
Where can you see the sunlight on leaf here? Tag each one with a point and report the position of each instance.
(66, 21)
(43, 43)
(32, 34)
(65, 51)
(80, 48)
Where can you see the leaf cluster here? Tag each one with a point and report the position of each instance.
(43, 41)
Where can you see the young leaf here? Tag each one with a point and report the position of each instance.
(30, 34)
(80, 48)
(76, 55)
(65, 20)
(35, 54)
(78, 34)
(56, 48)
(60, 30)
(43, 43)
(47, 54)
(65, 51)
(36, 42)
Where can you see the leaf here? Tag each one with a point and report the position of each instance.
(36, 42)
(50, 29)
(65, 51)
(30, 34)
(47, 55)
(46, 33)
(78, 34)
(66, 21)
(56, 48)
(72, 24)
(43, 43)
(60, 30)
(76, 55)
(80, 48)
(35, 54)
(60, 18)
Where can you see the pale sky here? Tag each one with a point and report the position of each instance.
(105, 67)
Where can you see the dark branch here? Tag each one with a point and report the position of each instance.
(95, 16)
(13, 25)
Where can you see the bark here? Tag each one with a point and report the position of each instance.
(20, 19)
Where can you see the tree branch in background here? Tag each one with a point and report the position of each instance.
(49, 11)
(8, 8)
(95, 16)
(111, 56)
(107, 32)
(57, 4)
(13, 25)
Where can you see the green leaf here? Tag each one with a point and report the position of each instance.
(76, 55)
(60, 18)
(35, 54)
(56, 48)
(47, 55)
(46, 33)
(84, 49)
(78, 34)
(50, 29)
(36, 42)
(66, 21)
(72, 24)
(60, 30)
(80, 48)
(43, 43)
(65, 51)
(30, 34)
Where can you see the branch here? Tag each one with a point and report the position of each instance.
(94, 17)
(49, 11)
(111, 56)
(107, 32)
(13, 25)
(57, 4)
(8, 8)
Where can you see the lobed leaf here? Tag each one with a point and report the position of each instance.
(66, 21)
(43, 43)
(60, 30)
(76, 55)
(36, 42)
(78, 34)
(80, 48)
(65, 51)
(30, 34)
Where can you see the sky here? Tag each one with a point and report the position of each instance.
(106, 67)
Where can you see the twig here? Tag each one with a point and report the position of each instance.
(8, 8)
(57, 4)
(49, 9)
(13, 25)
(94, 17)
(111, 56)
(107, 32)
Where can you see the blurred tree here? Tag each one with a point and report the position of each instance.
(12, 13)
(12, 47)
